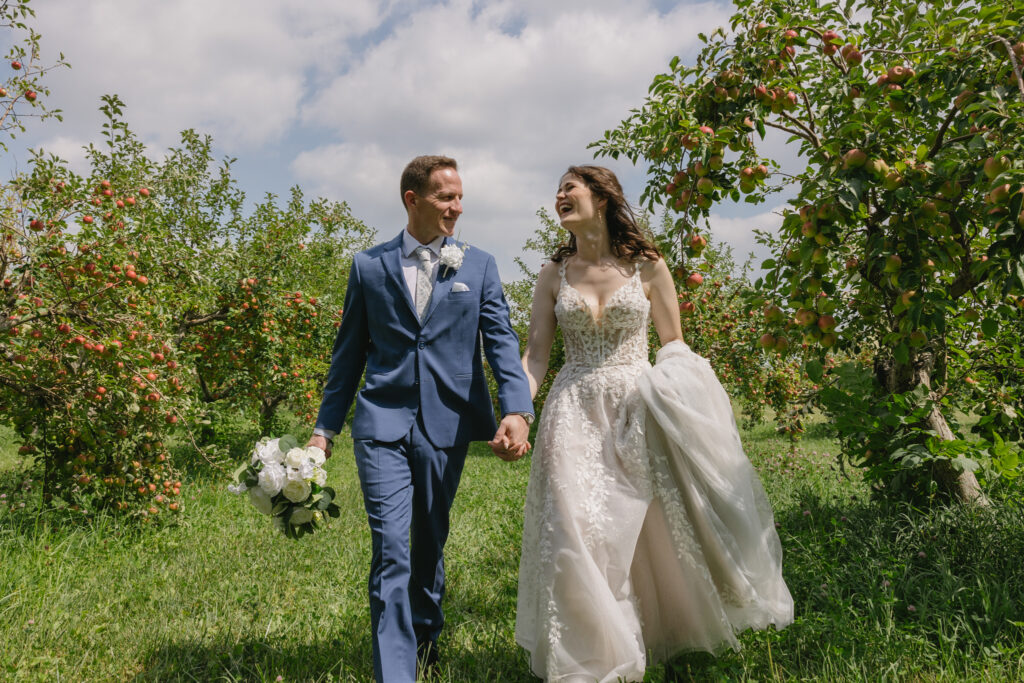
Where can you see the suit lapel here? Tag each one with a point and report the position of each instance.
(442, 284)
(392, 259)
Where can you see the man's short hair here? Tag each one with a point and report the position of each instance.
(416, 176)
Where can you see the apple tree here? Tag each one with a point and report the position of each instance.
(23, 92)
(903, 243)
(263, 339)
(91, 380)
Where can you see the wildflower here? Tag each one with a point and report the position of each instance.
(911, 608)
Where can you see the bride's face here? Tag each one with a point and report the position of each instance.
(575, 203)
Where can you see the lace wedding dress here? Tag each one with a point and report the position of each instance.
(647, 531)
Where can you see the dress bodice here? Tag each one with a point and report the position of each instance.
(617, 337)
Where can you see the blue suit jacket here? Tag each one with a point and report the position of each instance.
(434, 368)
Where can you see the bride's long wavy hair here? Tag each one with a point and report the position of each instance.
(627, 239)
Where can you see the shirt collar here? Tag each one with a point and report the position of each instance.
(409, 244)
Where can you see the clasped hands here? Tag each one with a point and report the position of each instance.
(511, 441)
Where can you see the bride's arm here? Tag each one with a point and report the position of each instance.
(661, 291)
(542, 326)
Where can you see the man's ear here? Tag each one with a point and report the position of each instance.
(410, 198)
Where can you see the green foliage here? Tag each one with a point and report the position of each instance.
(139, 295)
(904, 245)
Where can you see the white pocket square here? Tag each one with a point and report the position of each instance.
(459, 287)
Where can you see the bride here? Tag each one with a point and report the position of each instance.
(647, 531)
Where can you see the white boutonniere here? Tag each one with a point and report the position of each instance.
(452, 257)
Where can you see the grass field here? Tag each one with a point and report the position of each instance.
(883, 592)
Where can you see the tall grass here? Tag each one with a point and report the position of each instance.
(883, 592)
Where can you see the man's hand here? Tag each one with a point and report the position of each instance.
(321, 442)
(510, 442)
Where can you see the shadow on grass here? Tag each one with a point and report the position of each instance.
(343, 656)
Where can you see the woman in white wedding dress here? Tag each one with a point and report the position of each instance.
(647, 531)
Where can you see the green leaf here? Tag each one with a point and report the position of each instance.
(240, 471)
(990, 327)
(902, 354)
(814, 370)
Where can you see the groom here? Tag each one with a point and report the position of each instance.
(417, 311)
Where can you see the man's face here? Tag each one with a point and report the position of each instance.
(434, 213)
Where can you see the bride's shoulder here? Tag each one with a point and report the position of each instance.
(549, 276)
(651, 267)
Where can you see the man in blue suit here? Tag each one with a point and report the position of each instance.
(417, 313)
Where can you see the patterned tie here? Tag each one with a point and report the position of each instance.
(424, 283)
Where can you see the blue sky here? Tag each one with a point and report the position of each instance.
(337, 95)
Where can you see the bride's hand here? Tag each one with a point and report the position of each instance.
(510, 441)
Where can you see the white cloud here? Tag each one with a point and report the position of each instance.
(515, 91)
(234, 68)
(338, 96)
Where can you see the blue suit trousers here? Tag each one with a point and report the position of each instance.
(408, 489)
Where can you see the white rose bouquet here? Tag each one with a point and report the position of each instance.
(286, 482)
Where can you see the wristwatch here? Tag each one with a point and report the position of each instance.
(526, 416)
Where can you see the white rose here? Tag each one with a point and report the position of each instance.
(260, 500)
(241, 488)
(295, 457)
(271, 478)
(300, 516)
(317, 455)
(268, 453)
(307, 470)
(319, 476)
(296, 490)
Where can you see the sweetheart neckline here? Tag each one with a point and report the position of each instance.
(598, 319)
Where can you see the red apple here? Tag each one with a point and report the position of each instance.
(694, 280)
(854, 158)
(30, 95)
(994, 166)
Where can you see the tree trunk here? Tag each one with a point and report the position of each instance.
(895, 378)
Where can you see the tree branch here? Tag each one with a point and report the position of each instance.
(1013, 63)
(798, 133)
(937, 145)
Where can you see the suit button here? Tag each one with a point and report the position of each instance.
(423, 344)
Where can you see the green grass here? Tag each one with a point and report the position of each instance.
(219, 596)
